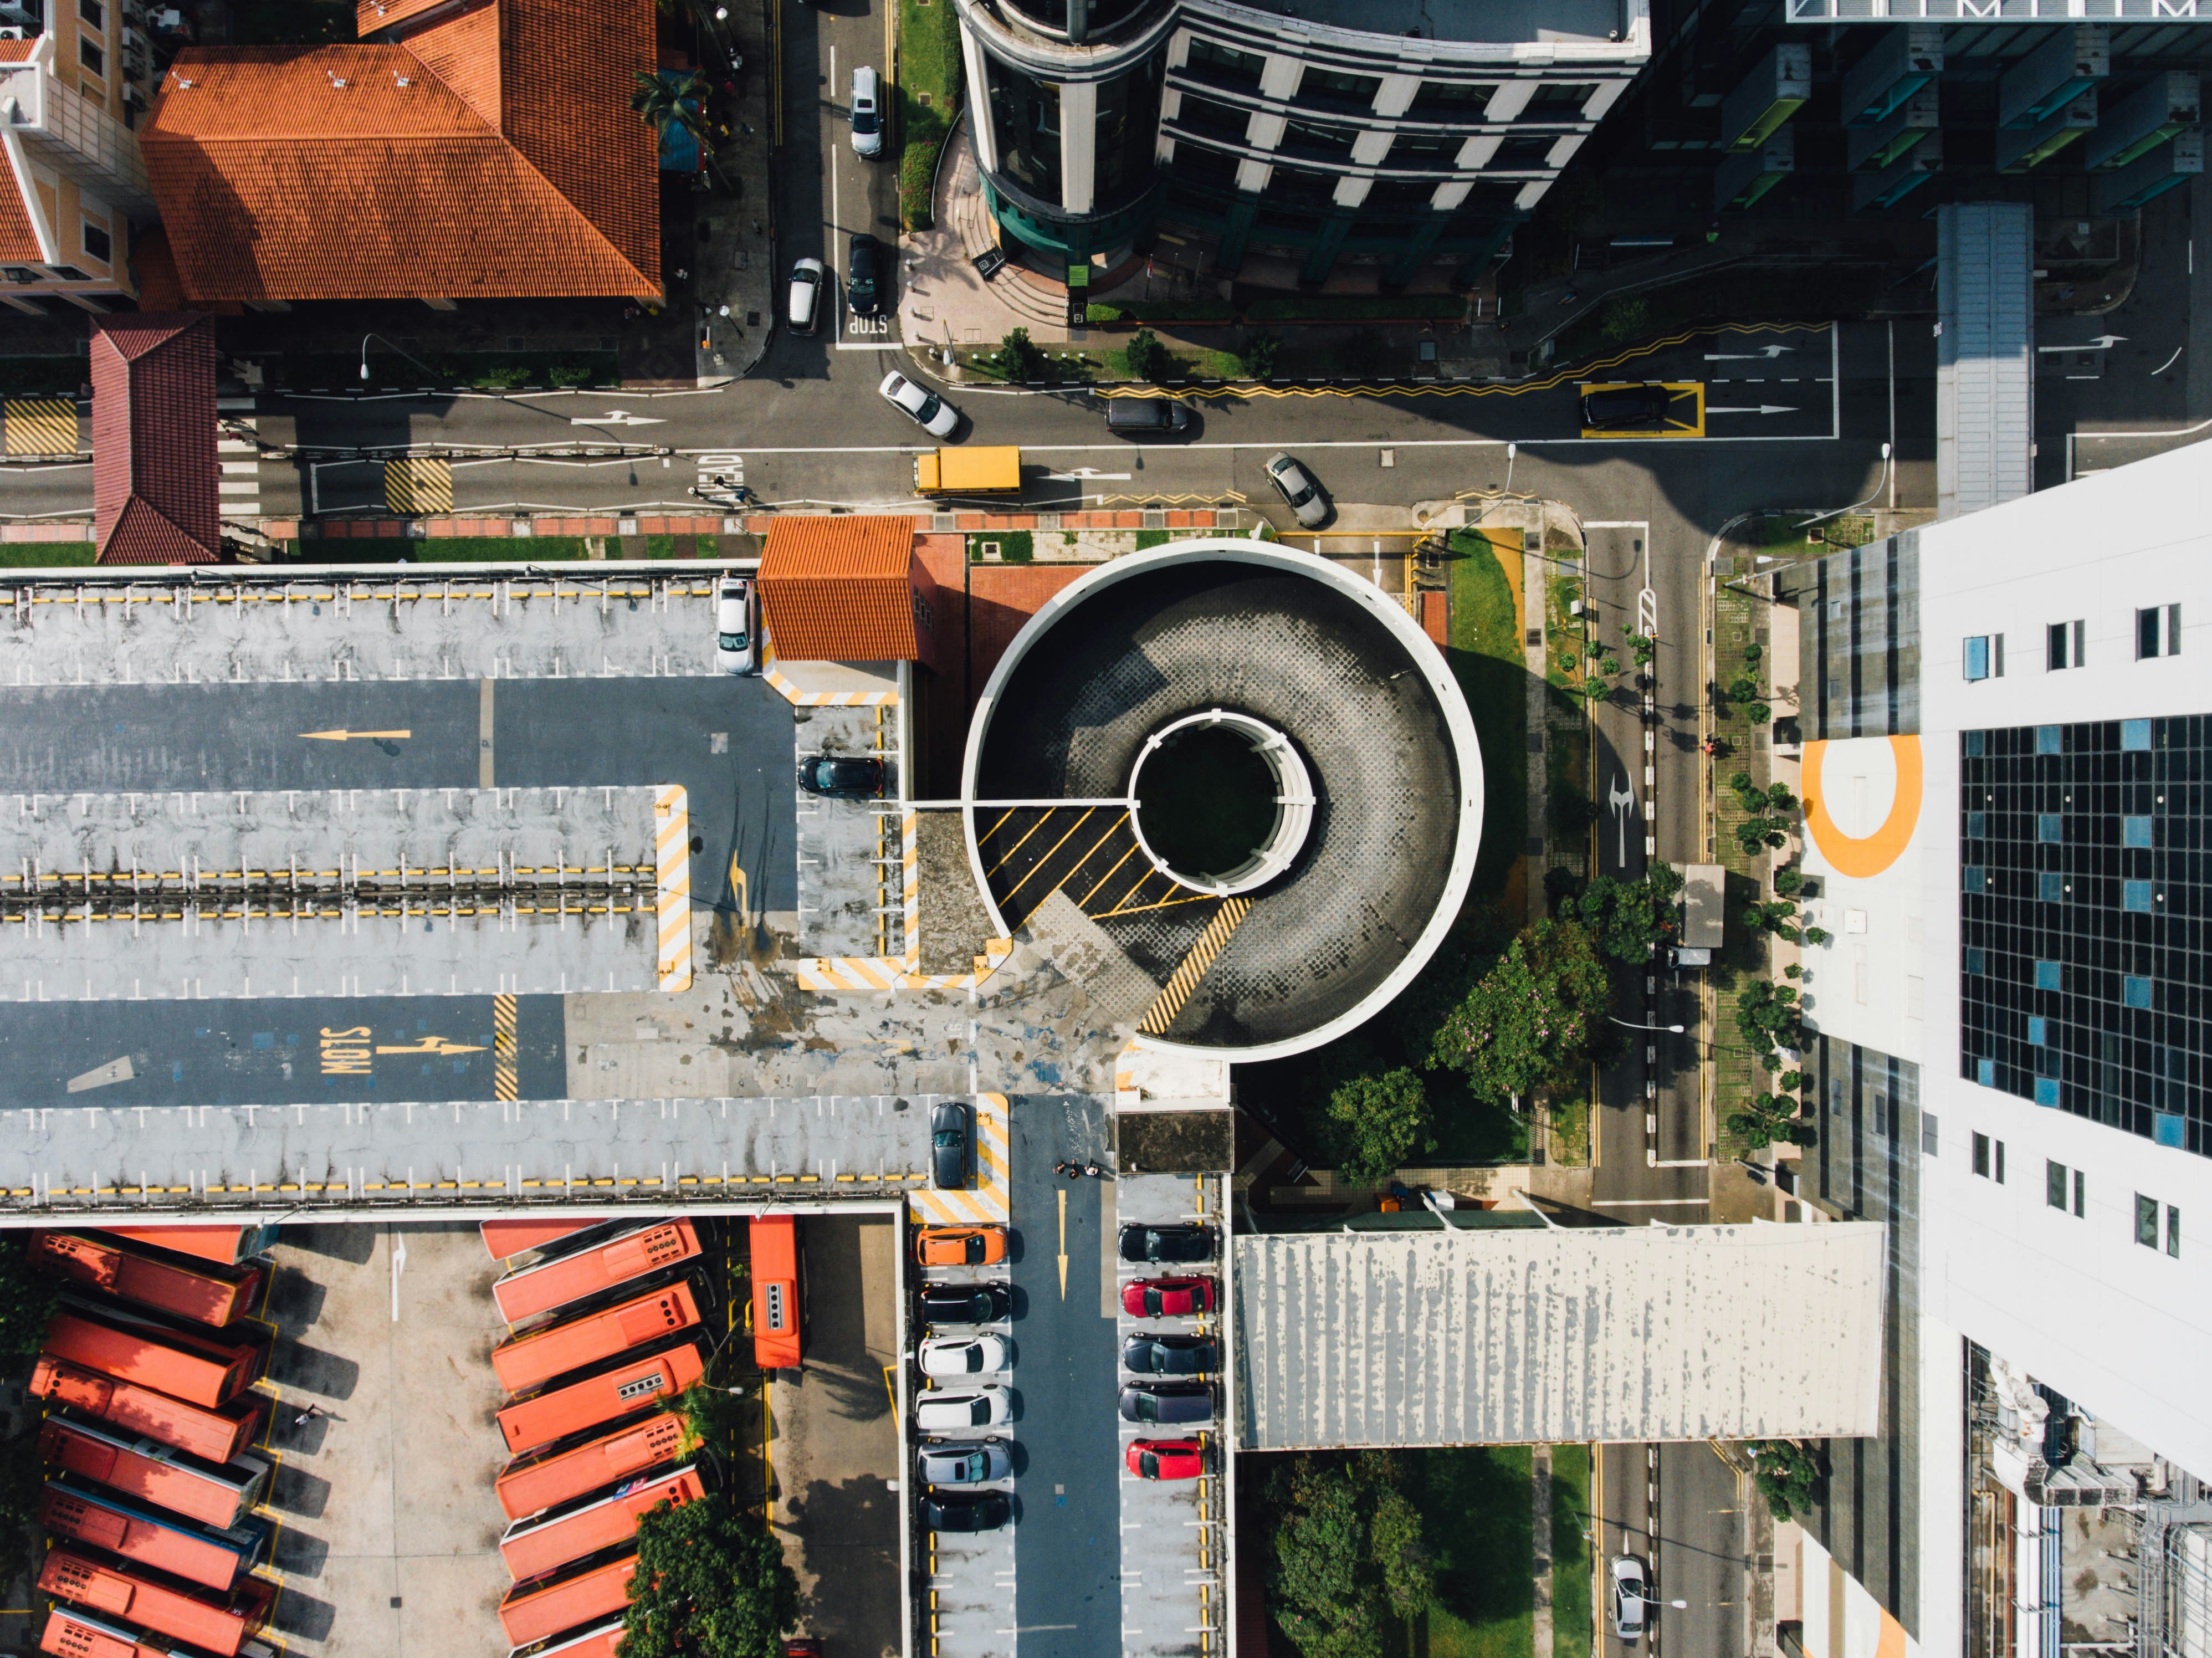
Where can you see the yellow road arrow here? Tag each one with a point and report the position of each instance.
(1063, 1243)
(342, 735)
(432, 1045)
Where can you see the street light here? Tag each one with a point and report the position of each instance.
(1676, 1028)
(410, 357)
(1856, 505)
(1511, 450)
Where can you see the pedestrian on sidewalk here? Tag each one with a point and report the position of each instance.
(301, 1420)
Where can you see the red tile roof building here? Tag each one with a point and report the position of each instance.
(487, 152)
(154, 473)
(847, 589)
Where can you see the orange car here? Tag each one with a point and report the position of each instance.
(960, 1246)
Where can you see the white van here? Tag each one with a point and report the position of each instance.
(867, 115)
(806, 279)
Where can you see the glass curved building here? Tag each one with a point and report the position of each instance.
(1397, 133)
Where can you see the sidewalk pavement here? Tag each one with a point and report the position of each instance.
(733, 283)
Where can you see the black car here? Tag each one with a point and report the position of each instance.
(1167, 1401)
(1626, 405)
(1151, 1355)
(848, 777)
(964, 1303)
(948, 1147)
(986, 1511)
(861, 261)
(1166, 1243)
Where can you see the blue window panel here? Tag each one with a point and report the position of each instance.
(1975, 744)
(2135, 831)
(2039, 1031)
(2050, 828)
(2047, 975)
(1978, 825)
(2050, 887)
(2135, 734)
(1974, 961)
(1986, 1072)
(2135, 993)
(2169, 1129)
(1973, 878)
(2136, 896)
(2046, 739)
(1977, 657)
(2047, 1091)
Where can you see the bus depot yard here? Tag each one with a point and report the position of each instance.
(435, 1437)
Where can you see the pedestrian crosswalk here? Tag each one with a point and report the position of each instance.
(238, 458)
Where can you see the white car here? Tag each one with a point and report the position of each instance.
(868, 118)
(1629, 1596)
(930, 412)
(981, 1407)
(808, 279)
(1297, 486)
(952, 1356)
(734, 625)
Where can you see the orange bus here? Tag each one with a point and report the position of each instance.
(534, 1290)
(540, 1480)
(583, 1593)
(541, 1543)
(215, 1494)
(206, 1294)
(213, 1623)
(198, 1369)
(506, 1239)
(775, 1291)
(216, 1559)
(225, 1245)
(72, 1634)
(529, 1361)
(217, 1435)
(625, 1385)
(598, 1642)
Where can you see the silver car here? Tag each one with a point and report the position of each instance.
(734, 645)
(1629, 1595)
(1297, 488)
(966, 1462)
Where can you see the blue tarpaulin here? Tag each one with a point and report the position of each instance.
(680, 149)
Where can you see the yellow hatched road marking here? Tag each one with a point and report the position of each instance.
(418, 484)
(1186, 977)
(39, 425)
(502, 1040)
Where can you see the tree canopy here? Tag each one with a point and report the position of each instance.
(1535, 1018)
(1345, 1552)
(1626, 919)
(1378, 1123)
(711, 1583)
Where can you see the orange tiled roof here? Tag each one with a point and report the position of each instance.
(19, 241)
(153, 440)
(16, 51)
(840, 589)
(488, 154)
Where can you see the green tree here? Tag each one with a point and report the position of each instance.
(1625, 318)
(1345, 1552)
(710, 1582)
(1147, 358)
(1377, 1122)
(1629, 919)
(1788, 882)
(1788, 1475)
(1572, 811)
(1535, 1018)
(1020, 357)
(1643, 647)
(664, 101)
(1256, 357)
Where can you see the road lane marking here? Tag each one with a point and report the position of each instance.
(342, 735)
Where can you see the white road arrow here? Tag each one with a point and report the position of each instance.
(1768, 352)
(2102, 342)
(1082, 473)
(617, 417)
(1763, 409)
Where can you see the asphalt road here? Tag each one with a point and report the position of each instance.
(1067, 1586)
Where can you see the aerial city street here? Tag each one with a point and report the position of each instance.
(1104, 828)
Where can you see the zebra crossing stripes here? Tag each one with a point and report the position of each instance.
(238, 458)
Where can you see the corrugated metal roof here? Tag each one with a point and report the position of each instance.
(1985, 354)
(1613, 1334)
(840, 589)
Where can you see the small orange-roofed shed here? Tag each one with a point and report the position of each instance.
(153, 471)
(847, 589)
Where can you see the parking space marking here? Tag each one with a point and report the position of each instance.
(799, 697)
(39, 425)
(672, 854)
(990, 1201)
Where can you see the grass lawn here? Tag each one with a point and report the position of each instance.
(1739, 619)
(1570, 1551)
(446, 550)
(40, 554)
(1476, 1515)
(928, 98)
(1486, 656)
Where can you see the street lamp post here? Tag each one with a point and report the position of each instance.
(1856, 505)
(1676, 1028)
(411, 357)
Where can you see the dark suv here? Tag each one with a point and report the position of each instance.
(860, 261)
(1626, 405)
(844, 777)
(1166, 1243)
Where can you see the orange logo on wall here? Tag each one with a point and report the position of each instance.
(1860, 856)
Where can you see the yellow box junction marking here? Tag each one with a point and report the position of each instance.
(1694, 427)
(418, 484)
(39, 425)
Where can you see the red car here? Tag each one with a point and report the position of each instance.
(1166, 1459)
(1167, 1297)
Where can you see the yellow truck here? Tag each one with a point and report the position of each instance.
(977, 472)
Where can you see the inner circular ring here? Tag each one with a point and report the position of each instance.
(1285, 778)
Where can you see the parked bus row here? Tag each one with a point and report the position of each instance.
(146, 1375)
(609, 1323)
